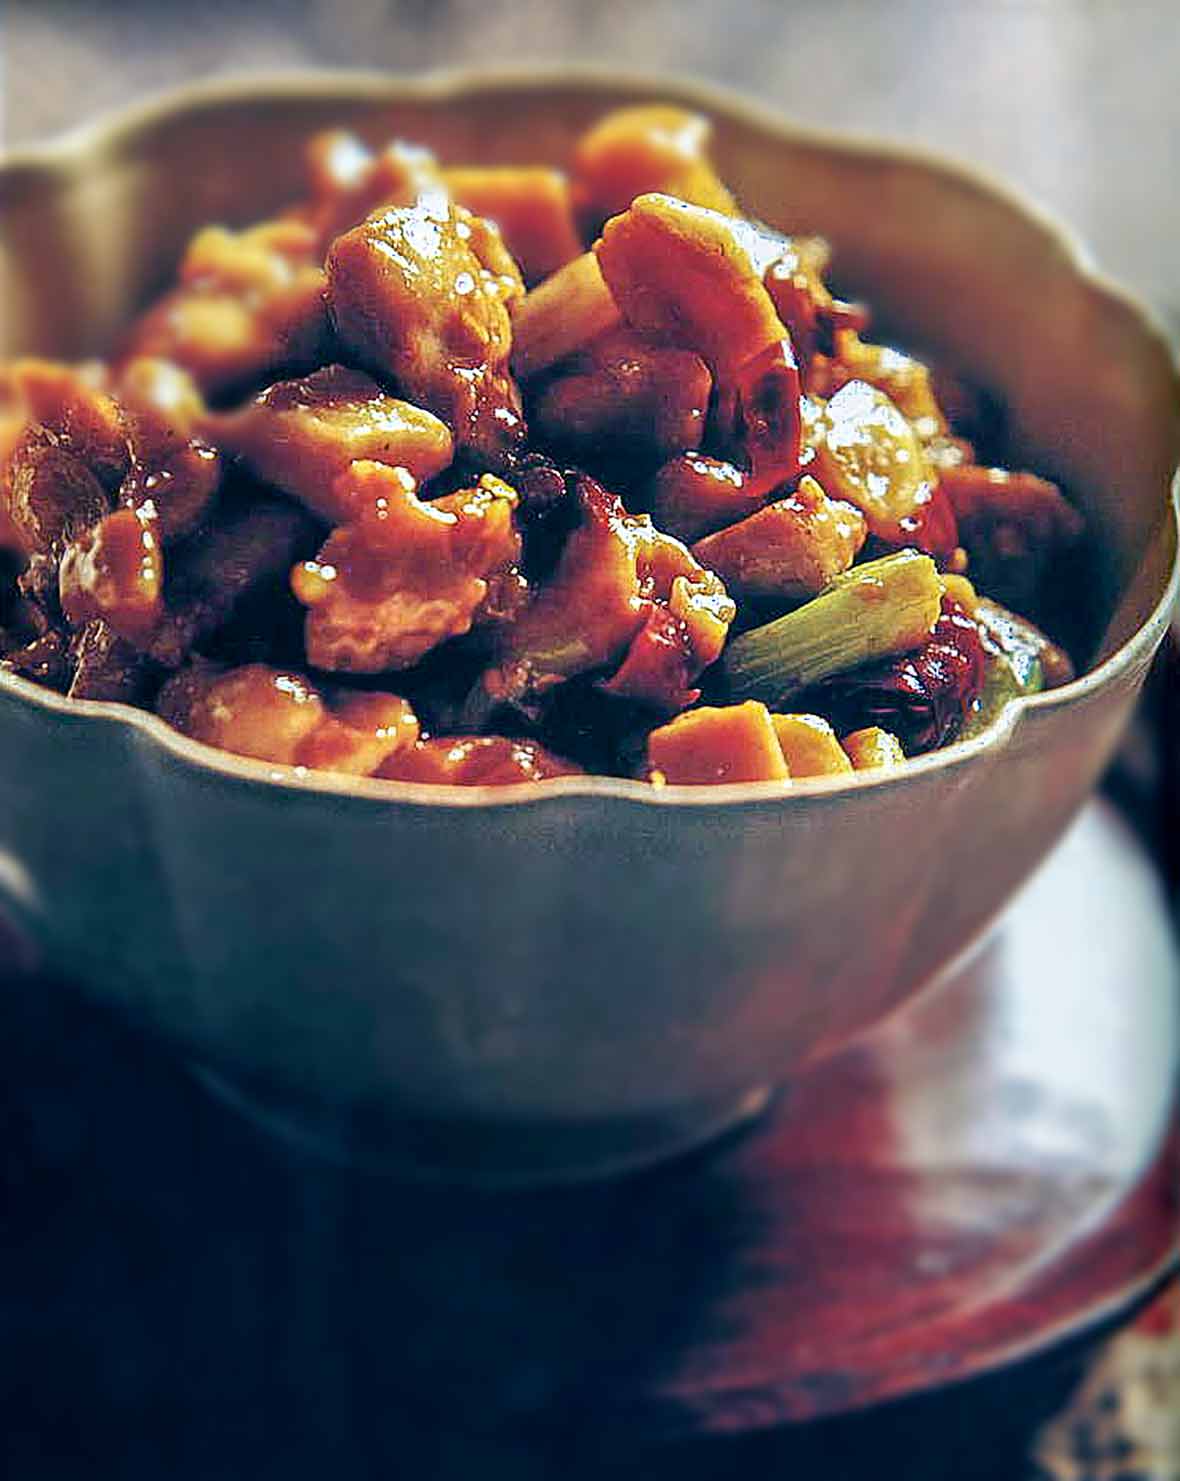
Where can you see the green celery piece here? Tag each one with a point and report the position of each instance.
(1006, 677)
(1019, 641)
(874, 610)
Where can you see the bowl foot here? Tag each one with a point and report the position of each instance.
(486, 1154)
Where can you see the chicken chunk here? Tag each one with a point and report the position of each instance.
(248, 304)
(114, 571)
(301, 435)
(349, 181)
(532, 208)
(684, 275)
(644, 401)
(694, 494)
(635, 151)
(420, 296)
(476, 761)
(614, 572)
(1016, 529)
(273, 715)
(406, 575)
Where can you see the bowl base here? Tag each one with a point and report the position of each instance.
(483, 1154)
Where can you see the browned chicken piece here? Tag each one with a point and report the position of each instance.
(694, 494)
(1014, 527)
(254, 541)
(732, 743)
(248, 304)
(635, 151)
(137, 437)
(692, 277)
(684, 275)
(50, 494)
(115, 571)
(790, 549)
(301, 435)
(349, 181)
(253, 711)
(273, 715)
(406, 575)
(105, 666)
(72, 403)
(175, 472)
(532, 208)
(420, 296)
(646, 401)
(614, 569)
(84, 449)
(476, 761)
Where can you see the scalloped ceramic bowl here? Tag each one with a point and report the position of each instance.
(557, 979)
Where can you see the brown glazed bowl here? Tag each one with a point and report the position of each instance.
(563, 978)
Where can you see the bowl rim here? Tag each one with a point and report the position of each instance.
(69, 151)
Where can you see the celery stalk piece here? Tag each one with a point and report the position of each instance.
(874, 610)
(1005, 678)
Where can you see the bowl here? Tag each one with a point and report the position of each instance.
(560, 979)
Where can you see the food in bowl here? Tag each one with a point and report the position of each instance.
(489, 475)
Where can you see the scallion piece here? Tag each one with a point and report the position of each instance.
(874, 610)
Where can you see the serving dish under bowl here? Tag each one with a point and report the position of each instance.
(554, 978)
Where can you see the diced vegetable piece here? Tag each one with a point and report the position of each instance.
(810, 746)
(733, 743)
(532, 208)
(871, 456)
(1002, 681)
(561, 315)
(792, 548)
(634, 151)
(877, 609)
(962, 591)
(872, 748)
(922, 696)
(904, 380)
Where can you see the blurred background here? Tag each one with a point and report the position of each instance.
(1075, 100)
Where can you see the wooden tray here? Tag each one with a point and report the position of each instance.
(987, 1178)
